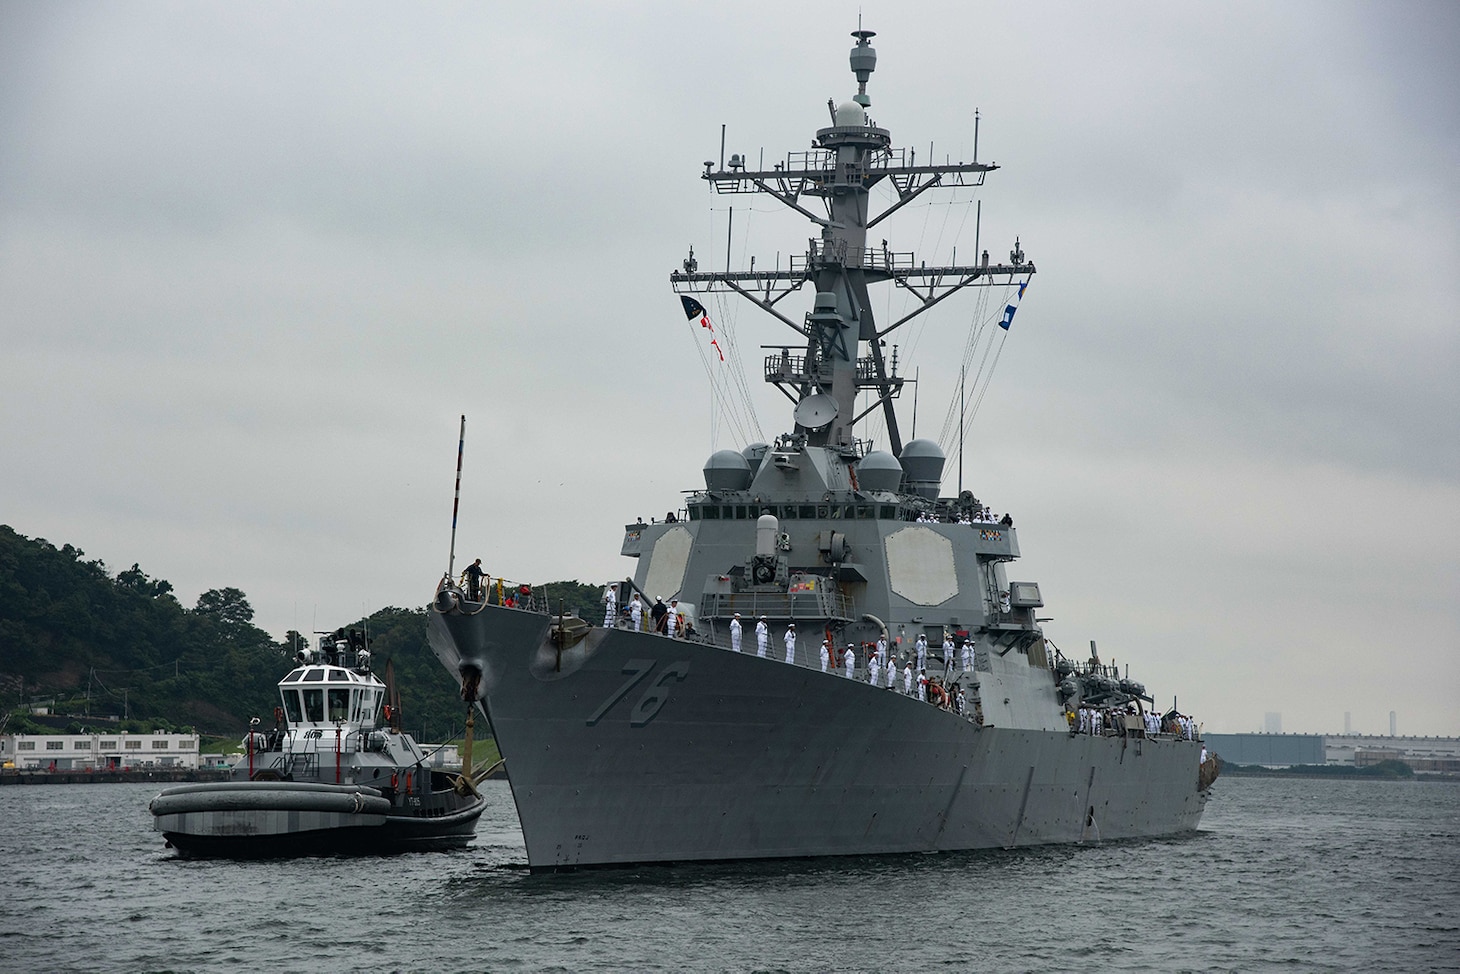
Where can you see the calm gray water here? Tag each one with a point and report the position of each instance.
(1300, 875)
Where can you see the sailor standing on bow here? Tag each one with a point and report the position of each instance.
(850, 660)
(762, 637)
(922, 647)
(907, 678)
(790, 640)
(636, 613)
(825, 654)
(671, 621)
(947, 654)
(735, 634)
(610, 608)
(874, 669)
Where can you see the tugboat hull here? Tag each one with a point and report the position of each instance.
(259, 819)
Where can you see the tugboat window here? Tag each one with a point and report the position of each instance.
(291, 705)
(314, 705)
(339, 704)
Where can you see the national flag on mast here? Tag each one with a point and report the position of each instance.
(692, 308)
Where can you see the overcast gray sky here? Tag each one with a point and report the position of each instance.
(256, 259)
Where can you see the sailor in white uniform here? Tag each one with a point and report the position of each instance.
(636, 613)
(790, 639)
(891, 672)
(672, 621)
(907, 678)
(874, 670)
(968, 654)
(1004, 605)
(762, 637)
(825, 654)
(735, 634)
(947, 654)
(850, 660)
(882, 650)
(922, 647)
(610, 608)
(923, 685)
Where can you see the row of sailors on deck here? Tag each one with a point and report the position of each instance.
(1097, 720)
(982, 516)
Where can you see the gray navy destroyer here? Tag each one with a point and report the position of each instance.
(692, 740)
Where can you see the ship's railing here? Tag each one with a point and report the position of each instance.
(786, 367)
(875, 257)
(816, 604)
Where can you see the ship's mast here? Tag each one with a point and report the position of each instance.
(846, 161)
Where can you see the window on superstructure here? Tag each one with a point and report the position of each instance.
(888, 512)
(788, 513)
(314, 705)
(291, 705)
(339, 704)
(711, 512)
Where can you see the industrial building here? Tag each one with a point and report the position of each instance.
(98, 752)
(1426, 755)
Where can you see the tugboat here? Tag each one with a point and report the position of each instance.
(335, 776)
(850, 668)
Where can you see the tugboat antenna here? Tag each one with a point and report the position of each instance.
(456, 504)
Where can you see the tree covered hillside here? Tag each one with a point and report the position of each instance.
(122, 645)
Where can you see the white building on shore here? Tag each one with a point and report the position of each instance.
(98, 752)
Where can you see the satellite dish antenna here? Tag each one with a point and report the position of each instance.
(816, 412)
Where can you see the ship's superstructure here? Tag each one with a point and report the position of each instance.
(848, 667)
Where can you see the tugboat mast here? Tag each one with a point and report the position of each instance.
(847, 159)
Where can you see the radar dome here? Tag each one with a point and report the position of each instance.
(755, 453)
(879, 471)
(850, 113)
(727, 470)
(922, 463)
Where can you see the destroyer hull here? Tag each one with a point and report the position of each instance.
(632, 747)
